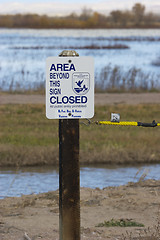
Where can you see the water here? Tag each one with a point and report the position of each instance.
(24, 52)
(40, 179)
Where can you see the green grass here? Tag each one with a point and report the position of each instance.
(120, 223)
(26, 125)
(25, 128)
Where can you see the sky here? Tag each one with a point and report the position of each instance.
(65, 7)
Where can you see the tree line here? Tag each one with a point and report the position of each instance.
(134, 18)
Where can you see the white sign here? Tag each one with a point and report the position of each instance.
(69, 87)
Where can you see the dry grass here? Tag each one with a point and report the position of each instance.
(28, 138)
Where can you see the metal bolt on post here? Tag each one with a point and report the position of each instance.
(69, 186)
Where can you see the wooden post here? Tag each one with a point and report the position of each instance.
(69, 171)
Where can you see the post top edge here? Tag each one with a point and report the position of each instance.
(68, 53)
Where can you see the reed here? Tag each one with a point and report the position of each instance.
(110, 79)
(117, 80)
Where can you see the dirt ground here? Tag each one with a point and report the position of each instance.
(38, 215)
(100, 98)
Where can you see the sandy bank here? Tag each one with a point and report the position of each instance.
(38, 215)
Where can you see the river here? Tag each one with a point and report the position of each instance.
(43, 179)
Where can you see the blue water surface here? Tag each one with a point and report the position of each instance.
(40, 179)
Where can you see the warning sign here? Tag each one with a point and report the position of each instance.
(69, 87)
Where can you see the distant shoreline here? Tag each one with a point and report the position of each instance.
(136, 17)
(81, 28)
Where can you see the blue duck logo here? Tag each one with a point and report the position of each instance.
(80, 83)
